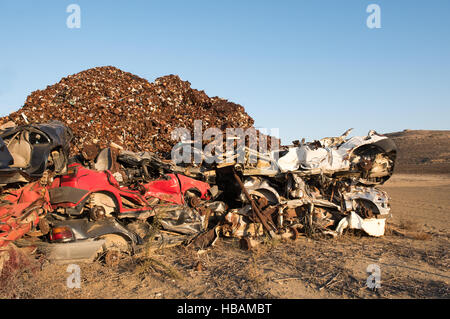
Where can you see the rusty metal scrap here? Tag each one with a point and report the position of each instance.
(104, 105)
(289, 196)
(122, 128)
(263, 219)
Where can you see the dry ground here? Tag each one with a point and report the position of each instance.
(412, 256)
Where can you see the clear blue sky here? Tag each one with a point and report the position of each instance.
(311, 68)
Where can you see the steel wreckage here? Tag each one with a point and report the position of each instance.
(83, 207)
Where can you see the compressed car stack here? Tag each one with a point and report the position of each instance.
(324, 186)
(81, 183)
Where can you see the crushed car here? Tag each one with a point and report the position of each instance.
(325, 186)
(368, 159)
(22, 211)
(83, 240)
(28, 151)
(109, 203)
(97, 194)
(91, 213)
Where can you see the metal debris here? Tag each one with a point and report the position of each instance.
(104, 105)
(320, 187)
(119, 181)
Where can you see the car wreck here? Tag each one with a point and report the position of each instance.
(22, 212)
(109, 204)
(324, 186)
(84, 199)
(28, 151)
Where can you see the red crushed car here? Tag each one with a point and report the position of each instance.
(21, 211)
(73, 208)
(98, 193)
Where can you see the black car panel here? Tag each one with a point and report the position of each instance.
(25, 150)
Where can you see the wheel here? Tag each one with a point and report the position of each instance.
(114, 249)
(113, 257)
(105, 201)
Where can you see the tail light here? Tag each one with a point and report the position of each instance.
(61, 234)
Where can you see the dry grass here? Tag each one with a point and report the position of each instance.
(407, 224)
(325, 267)
(408, 229)
(155, 266)
(19, 270)
(420, 235)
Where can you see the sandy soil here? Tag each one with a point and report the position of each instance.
(412, 257)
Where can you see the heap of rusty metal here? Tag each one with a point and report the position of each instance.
(308, 189)
(104, 105)
(118, 181)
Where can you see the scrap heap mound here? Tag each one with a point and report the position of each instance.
(104, 104)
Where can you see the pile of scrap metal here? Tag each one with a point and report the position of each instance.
(133, 168)
(29, 155)
(103, 203)
(73, 212)
(325, 186)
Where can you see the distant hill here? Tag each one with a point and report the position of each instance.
(422, 151)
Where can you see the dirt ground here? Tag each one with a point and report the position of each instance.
(412, 258)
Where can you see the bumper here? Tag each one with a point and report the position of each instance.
(79, 251)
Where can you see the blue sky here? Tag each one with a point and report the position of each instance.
(310, 68)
